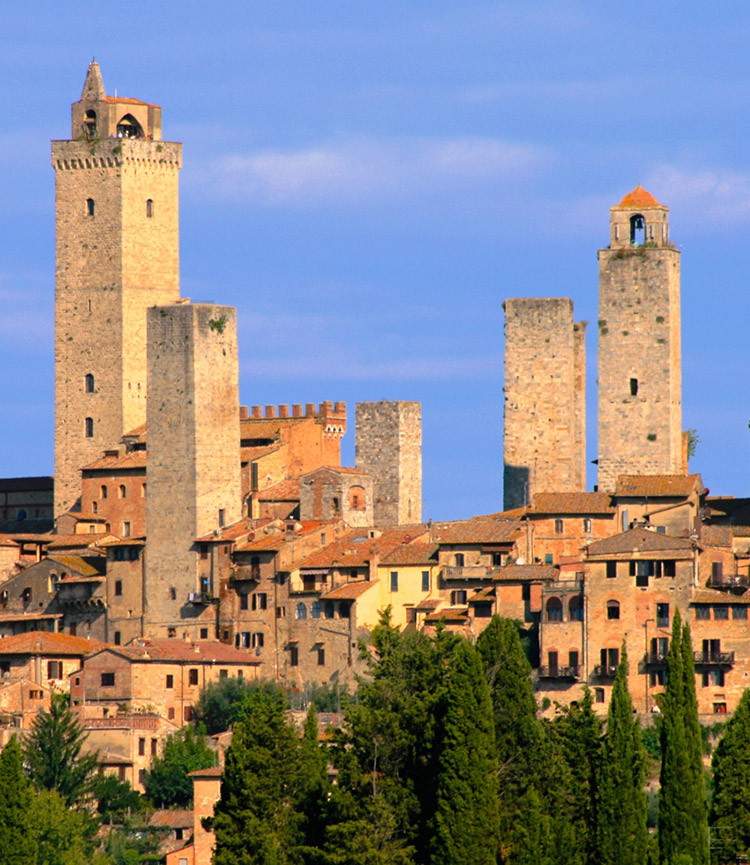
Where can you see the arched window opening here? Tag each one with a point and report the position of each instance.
(300, 611)
(149, 207)
(122, 491)
(103, 491)
(315, 609)
(95, 506)
(343, 610)
(90, 206)
(357, 498)
(129, 127)
(637, 230)
(89, 124)
(575, 608)
(89, 383)
(88, 426)
(613, 609)
(554, 610)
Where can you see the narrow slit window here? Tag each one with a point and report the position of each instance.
(90, 206)
(633, 387)
(149, 207)
(89, 427)
(89, 383)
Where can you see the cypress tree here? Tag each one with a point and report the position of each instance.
(17, 841)
(683, 827)
(730, 808)
(622, 835)
(466, 816)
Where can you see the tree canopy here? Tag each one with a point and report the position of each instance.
(167, 783)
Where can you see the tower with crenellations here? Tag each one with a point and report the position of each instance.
(117, 246)
(640, 379)
(544, 446)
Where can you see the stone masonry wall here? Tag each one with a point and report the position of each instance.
(110, 267)
(193, 463)
(544, 430)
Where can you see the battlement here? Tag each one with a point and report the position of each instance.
(115, 152)
(327, 410)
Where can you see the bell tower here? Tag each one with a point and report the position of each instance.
(640, 378)
(117, 253)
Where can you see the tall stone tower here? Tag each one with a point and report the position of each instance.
(388, 445)
(545, 399)
(194, 482)
(640, 379)
(117, 255)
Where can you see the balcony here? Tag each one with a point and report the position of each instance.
(199, 598)
(470, 572)
(558, 672)
(729, 581)
(246, 572)
(656, 659)
(605, 671)
(713, 659)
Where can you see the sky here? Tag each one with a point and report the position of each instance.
(368, 181)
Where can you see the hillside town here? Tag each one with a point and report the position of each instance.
(187, 539)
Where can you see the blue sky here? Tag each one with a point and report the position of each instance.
(367, 182)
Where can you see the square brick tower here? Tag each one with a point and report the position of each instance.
(194, 484)
(640, 378)
(116, 255)
(544, 448)
(388, 445)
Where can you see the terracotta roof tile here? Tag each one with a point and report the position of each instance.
(666, 486)
(449, 614)
(714, 596)
(201, 651)
(129, 460)
(716, 536)
(428, 604)
(63, 542)
(276, 540)
(284, 491)
(514, 573)
(349, 591)
(477, 530)
(248, 454)
(172, 819)
(572, 503)
(412, 554)
(48, 643)
(83, 567)
(639, 197)
(639, 540)
(356, 548)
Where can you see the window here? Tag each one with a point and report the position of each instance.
(637, 230)
(573, 658)
(54, 670)
(459, 560)
(122, 491)
(118, 587)
(642, 570)
(610, 659)
(154, 745)
(90, 207)
(204, 633)
(458, 596)
(221, 517)
(258, 640)
(243, 602)
(554, 610)
(411, 615)
(575, 608)
(633, 387)
(149, 207)
(141, 747)
(669, 569)
(171, 633)
(702, 611)
(143, 491)
(300, 611)
(548, 559)
(260, 601)
(587, 525)
(192, 677)
(280, 612)
(126, 529)
(739, 612)
(103, 491)
(598, 695)
(188, 713)
(357, 498)
(425, 581)
(343, 610)
(321, 656)
(118, 638)
(330, 609)
(613, 609)
(95, 506)
(88, 427)
(293, 656)
(223, 674)
(662, 615)
(659, 648)
(721, 611)
(713, 679)
(172, 593)
(394, 581)
(89, 383)
(559, 527)
(717, 572)
(657, 677)
(170, 680)
(611, 570)
(315, 610)
(108, 680)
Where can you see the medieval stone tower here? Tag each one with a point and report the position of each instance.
(116, 255)
(545, 399)
(389, 447)
(193, 461)
(640, 379)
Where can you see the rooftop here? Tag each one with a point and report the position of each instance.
(639, 197)
(657, 486)
(572, 503)
(182, 651)
(490, 529)
(48, 643)
(640, 540)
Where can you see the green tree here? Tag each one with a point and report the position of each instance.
(16, 839)
(314, 788)
(167, 783)
(53, 753)
(64, 834)
(115, 798)
(256, 820)
(622, 835)
(683, 825)
(730, 808)
(466, 817)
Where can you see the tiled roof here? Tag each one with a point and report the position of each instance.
(514, 573)
(271, 541)
(81, 566)
(716, 536)
(344, 470)
(411, 554)
(349, 591)
(79, 541)
(128, 460)
(428, 604)
(482, 595)
(136, 432)
(284, 491)
(659, 486)
(449, 614)
(714, 596)
(122, 542)
(126, 99)
(234, 531)
(248, 454)
(356, 548)
(211, 772)
(638, 197)
(477, 530)
(48, 643)
(572, 503)
(172, 819)
(639, 540)
(182, 651)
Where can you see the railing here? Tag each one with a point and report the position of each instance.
(656, 659)
(558, 672)
(247, 572)
(470, 572)
(199, 598)
(662, 621)
(729, 581)
(713, 658)
(605, 671)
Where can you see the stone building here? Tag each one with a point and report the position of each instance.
(545, 399)
(116, 255)
(389, 449)
(328, 493)
(640, 378)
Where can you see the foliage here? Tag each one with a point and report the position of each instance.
(220, 703)
(683, 828)
(621, 800)
(692, 442)
(167, 783)
(52, 753)
(64, 835)
(16, 840)
(115, 798)
(730, 808)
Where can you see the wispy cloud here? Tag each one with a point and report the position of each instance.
(370, 168)
(713, 195)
